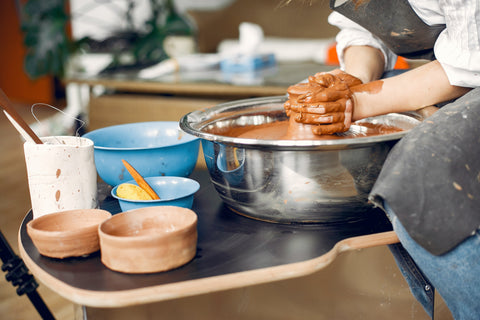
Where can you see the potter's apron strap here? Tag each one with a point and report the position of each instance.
(395, 23)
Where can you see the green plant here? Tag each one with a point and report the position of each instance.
(45, 38)
(44, 24)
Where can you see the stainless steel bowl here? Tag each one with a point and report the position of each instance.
(290, 181)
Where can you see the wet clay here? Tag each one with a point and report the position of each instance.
(283, 130)
(323, 96)
(321, 103)
(371, 87)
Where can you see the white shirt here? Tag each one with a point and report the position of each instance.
(457, 47)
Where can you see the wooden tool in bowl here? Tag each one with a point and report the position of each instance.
(16, 119)
(140, 180)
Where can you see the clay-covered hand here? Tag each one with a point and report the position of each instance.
(325, 101)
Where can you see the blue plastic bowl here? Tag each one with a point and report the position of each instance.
(173, 191)
(157, 148)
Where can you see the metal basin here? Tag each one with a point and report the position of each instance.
(290, 181)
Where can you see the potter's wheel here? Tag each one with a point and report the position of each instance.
(290, 181)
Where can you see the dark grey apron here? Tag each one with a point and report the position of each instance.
(395, 23)
(431, 178)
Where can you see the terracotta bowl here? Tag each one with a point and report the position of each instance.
(71, 233)
(150, 239)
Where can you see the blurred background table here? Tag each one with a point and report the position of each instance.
(122, 97)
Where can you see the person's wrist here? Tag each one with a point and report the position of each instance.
(356, 108)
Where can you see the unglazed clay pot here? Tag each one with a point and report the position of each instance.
(148, 240)
(70, 233)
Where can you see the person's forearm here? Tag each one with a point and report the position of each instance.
(364, 62)
(414, 89)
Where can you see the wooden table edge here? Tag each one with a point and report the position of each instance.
(204, 89)
(124, 298)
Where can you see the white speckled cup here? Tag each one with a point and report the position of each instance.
(61, 174)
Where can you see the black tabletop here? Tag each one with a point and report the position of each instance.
(227, 243)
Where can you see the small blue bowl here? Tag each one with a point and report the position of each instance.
(157, 148)
(173, 191)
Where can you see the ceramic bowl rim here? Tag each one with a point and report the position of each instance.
(189, 138)
(152, 237)
(60, 233)
(188, 180)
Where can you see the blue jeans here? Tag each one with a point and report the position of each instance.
(455, 274)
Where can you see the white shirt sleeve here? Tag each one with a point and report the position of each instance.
(458, 47)
(352, 34)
